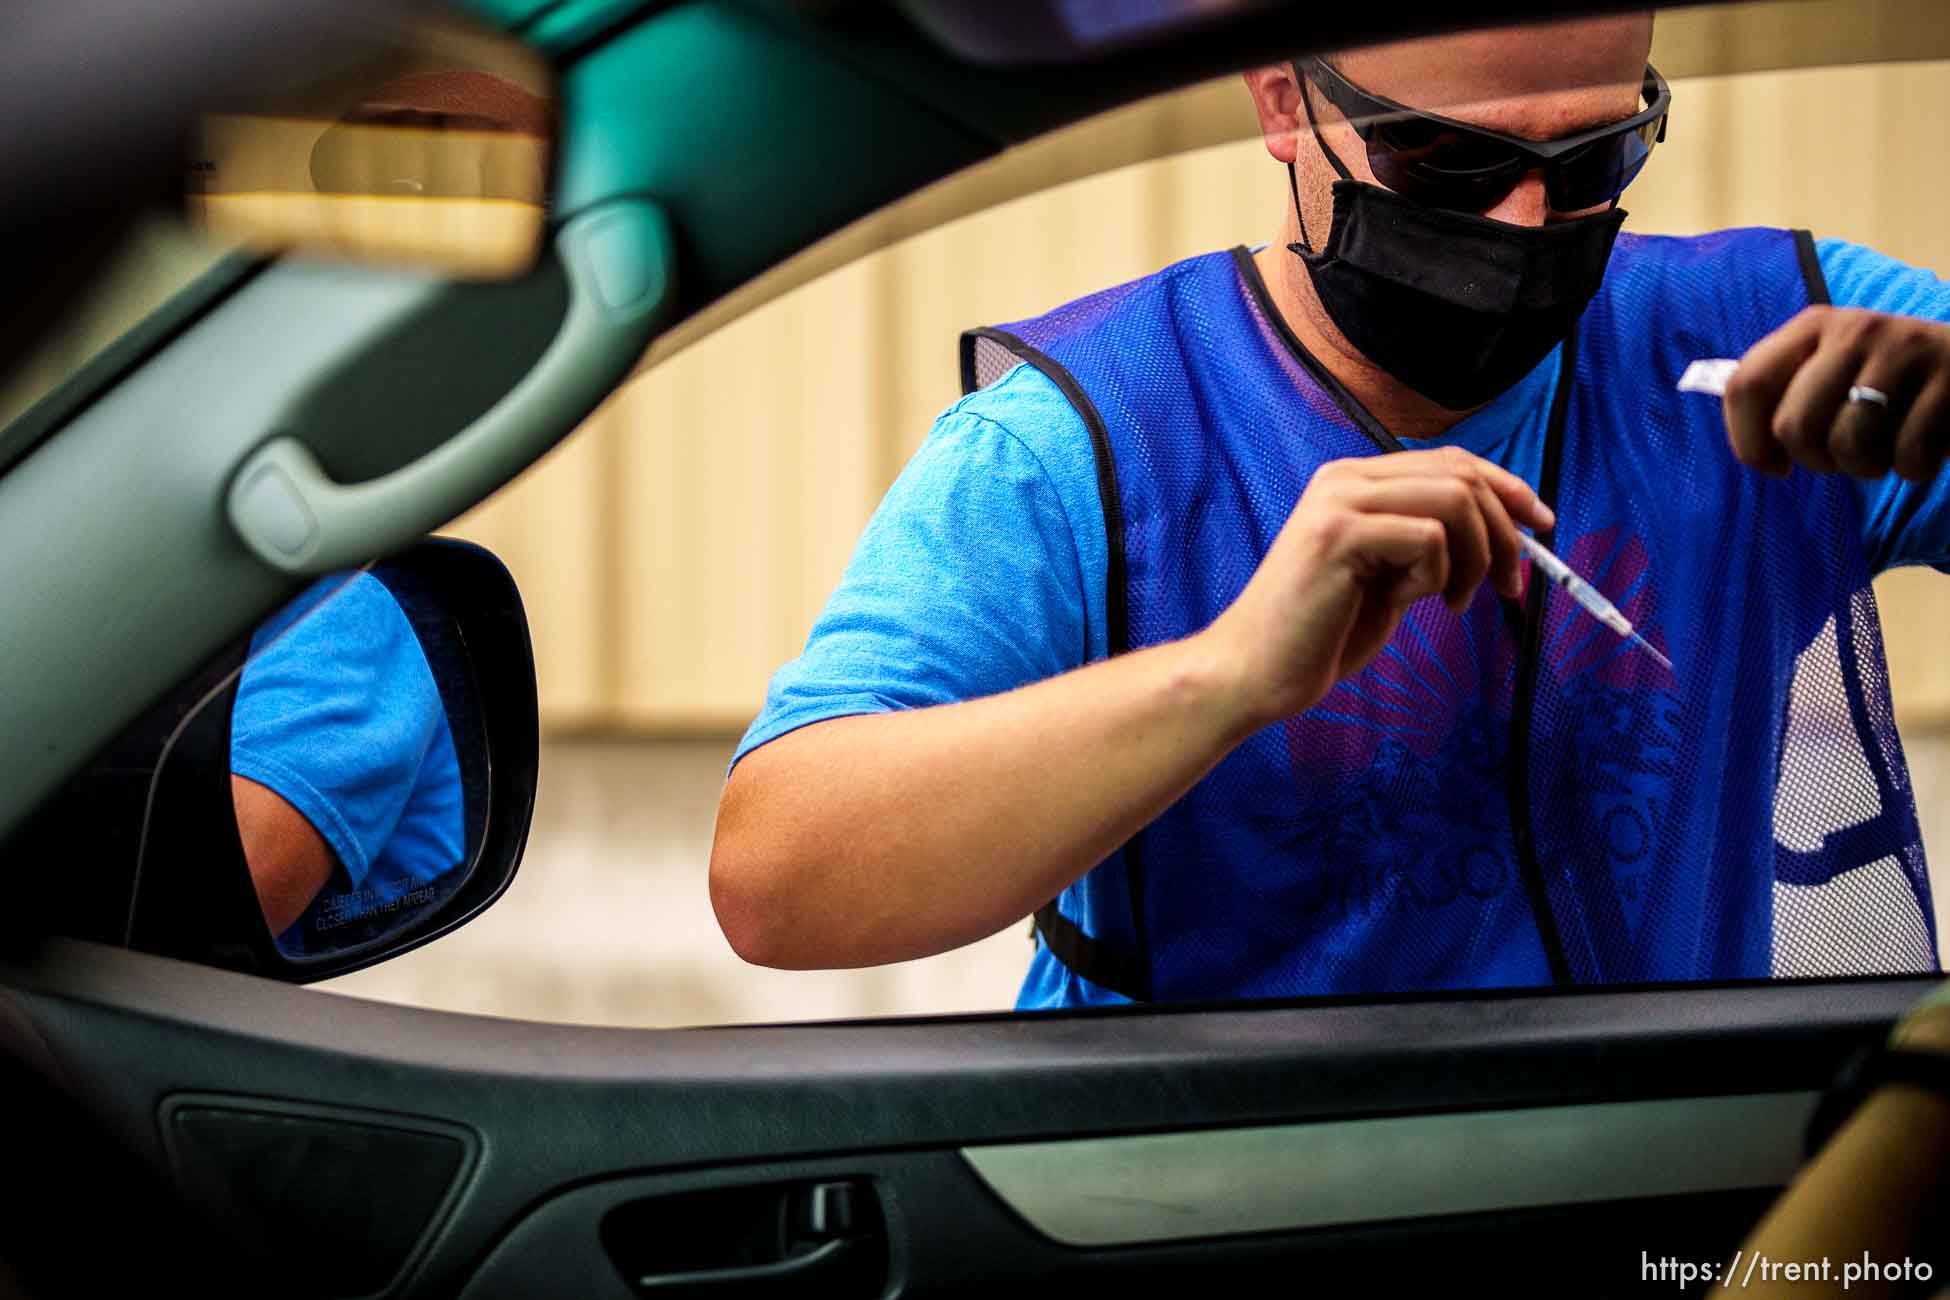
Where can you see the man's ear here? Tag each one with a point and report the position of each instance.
(1276, 99)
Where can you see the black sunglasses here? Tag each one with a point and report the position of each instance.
(1449, 164)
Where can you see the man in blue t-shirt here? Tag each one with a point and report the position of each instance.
(343, 769)
(963, 740)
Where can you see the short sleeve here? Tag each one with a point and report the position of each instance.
(981, 571)
(336, 712)
(1903, 523)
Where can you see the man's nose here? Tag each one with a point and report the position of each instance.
(1526, 205)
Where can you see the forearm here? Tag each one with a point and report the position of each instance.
(1866, 1193)
(891, 836)
(1873, 1190)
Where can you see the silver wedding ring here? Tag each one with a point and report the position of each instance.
(1864, 393)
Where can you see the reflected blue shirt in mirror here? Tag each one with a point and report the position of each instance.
(984, 567)
(339, 714)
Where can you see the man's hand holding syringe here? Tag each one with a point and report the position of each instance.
(984, 809)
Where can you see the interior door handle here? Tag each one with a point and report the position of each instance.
(809, 1269)
(619, 257)
(823, 1239)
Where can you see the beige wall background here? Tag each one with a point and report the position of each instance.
(677, 549)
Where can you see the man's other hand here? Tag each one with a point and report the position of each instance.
(1788, 402)
(1369, 537)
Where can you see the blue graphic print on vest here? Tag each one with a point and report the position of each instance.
(1687, 825)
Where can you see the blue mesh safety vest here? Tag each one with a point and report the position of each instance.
(1511, 797)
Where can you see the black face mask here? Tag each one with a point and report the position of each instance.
(1456, 306)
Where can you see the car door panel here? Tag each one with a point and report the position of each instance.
(1154, 1187)
(948, 1236)
(574, 1122)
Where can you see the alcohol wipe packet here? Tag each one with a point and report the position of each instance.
(1708, 376)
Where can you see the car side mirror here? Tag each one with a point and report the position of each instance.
(351, 780)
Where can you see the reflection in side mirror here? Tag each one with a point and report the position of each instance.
(429, 147)
(347, 781)
(357, 769)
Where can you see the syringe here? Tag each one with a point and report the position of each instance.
(1560, 575)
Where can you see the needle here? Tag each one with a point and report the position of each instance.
(1559, 574)
(1647, 647)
